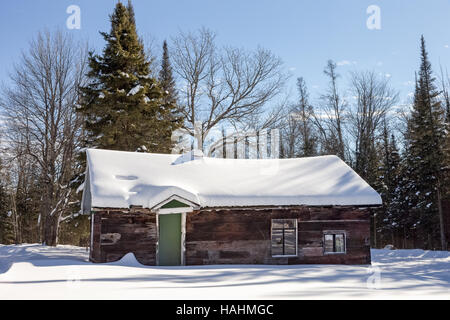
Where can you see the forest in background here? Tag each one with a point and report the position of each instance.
(63, 98)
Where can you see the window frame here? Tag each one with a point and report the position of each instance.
(296, 239)
(335, 232)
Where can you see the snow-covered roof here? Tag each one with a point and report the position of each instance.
(117, 179)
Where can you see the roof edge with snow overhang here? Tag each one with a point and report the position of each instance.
(117, 179)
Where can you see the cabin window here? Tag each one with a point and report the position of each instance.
(284, 237)
(334, 242)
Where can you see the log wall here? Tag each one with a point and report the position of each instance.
(243, 236)
(116, 233)
(233, 236)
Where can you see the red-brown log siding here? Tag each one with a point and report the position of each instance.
(234, 236)
(118, 233)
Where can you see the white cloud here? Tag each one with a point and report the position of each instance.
(345, 63)
(446, 46)
(387, 75)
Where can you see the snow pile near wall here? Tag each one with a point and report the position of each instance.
(128, 260)
(120, 179)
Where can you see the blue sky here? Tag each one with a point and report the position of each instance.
(305, 34)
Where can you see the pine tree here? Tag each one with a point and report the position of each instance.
(376, 178)
(391, 165)
(446, 168)
(130, 9)
(446, 178)
(166, 79)
(406, 195)
(388, 186)
(123, 105)
(399, 215)
(426, 158)
(393, 169)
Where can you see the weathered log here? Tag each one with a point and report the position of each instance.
(233, 236)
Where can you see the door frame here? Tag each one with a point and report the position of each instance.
(183, 210)
(183, 235)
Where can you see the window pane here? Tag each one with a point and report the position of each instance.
(277, 224)
(277, 242)
(340, 245)
(328, 243)
(284, 234)
(289, 242)
(283, 223)
(289, 223)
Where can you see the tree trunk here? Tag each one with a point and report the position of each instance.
(50, 227)
(375, 230)
(441, 221)
(16, 223)
(404, 238)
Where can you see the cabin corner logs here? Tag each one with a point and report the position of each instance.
(233, 236)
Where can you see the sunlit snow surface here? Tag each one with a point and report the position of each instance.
(39, 272)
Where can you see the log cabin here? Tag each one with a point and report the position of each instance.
(193, 210)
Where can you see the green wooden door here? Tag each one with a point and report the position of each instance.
(169, 239)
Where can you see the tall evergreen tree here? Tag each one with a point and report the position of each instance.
(405, 199)
(130, 9)
(123, 105)
(166, 79)
(399, 217)
(426, 158)
(388, 185)
(446, 99)
(446, 170)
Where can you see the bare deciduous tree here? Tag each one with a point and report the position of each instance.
(374, 99)
(39, 106)
(331, 117)
(298, 130)
(223, 85)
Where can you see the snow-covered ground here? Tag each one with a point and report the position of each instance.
(39, 272)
